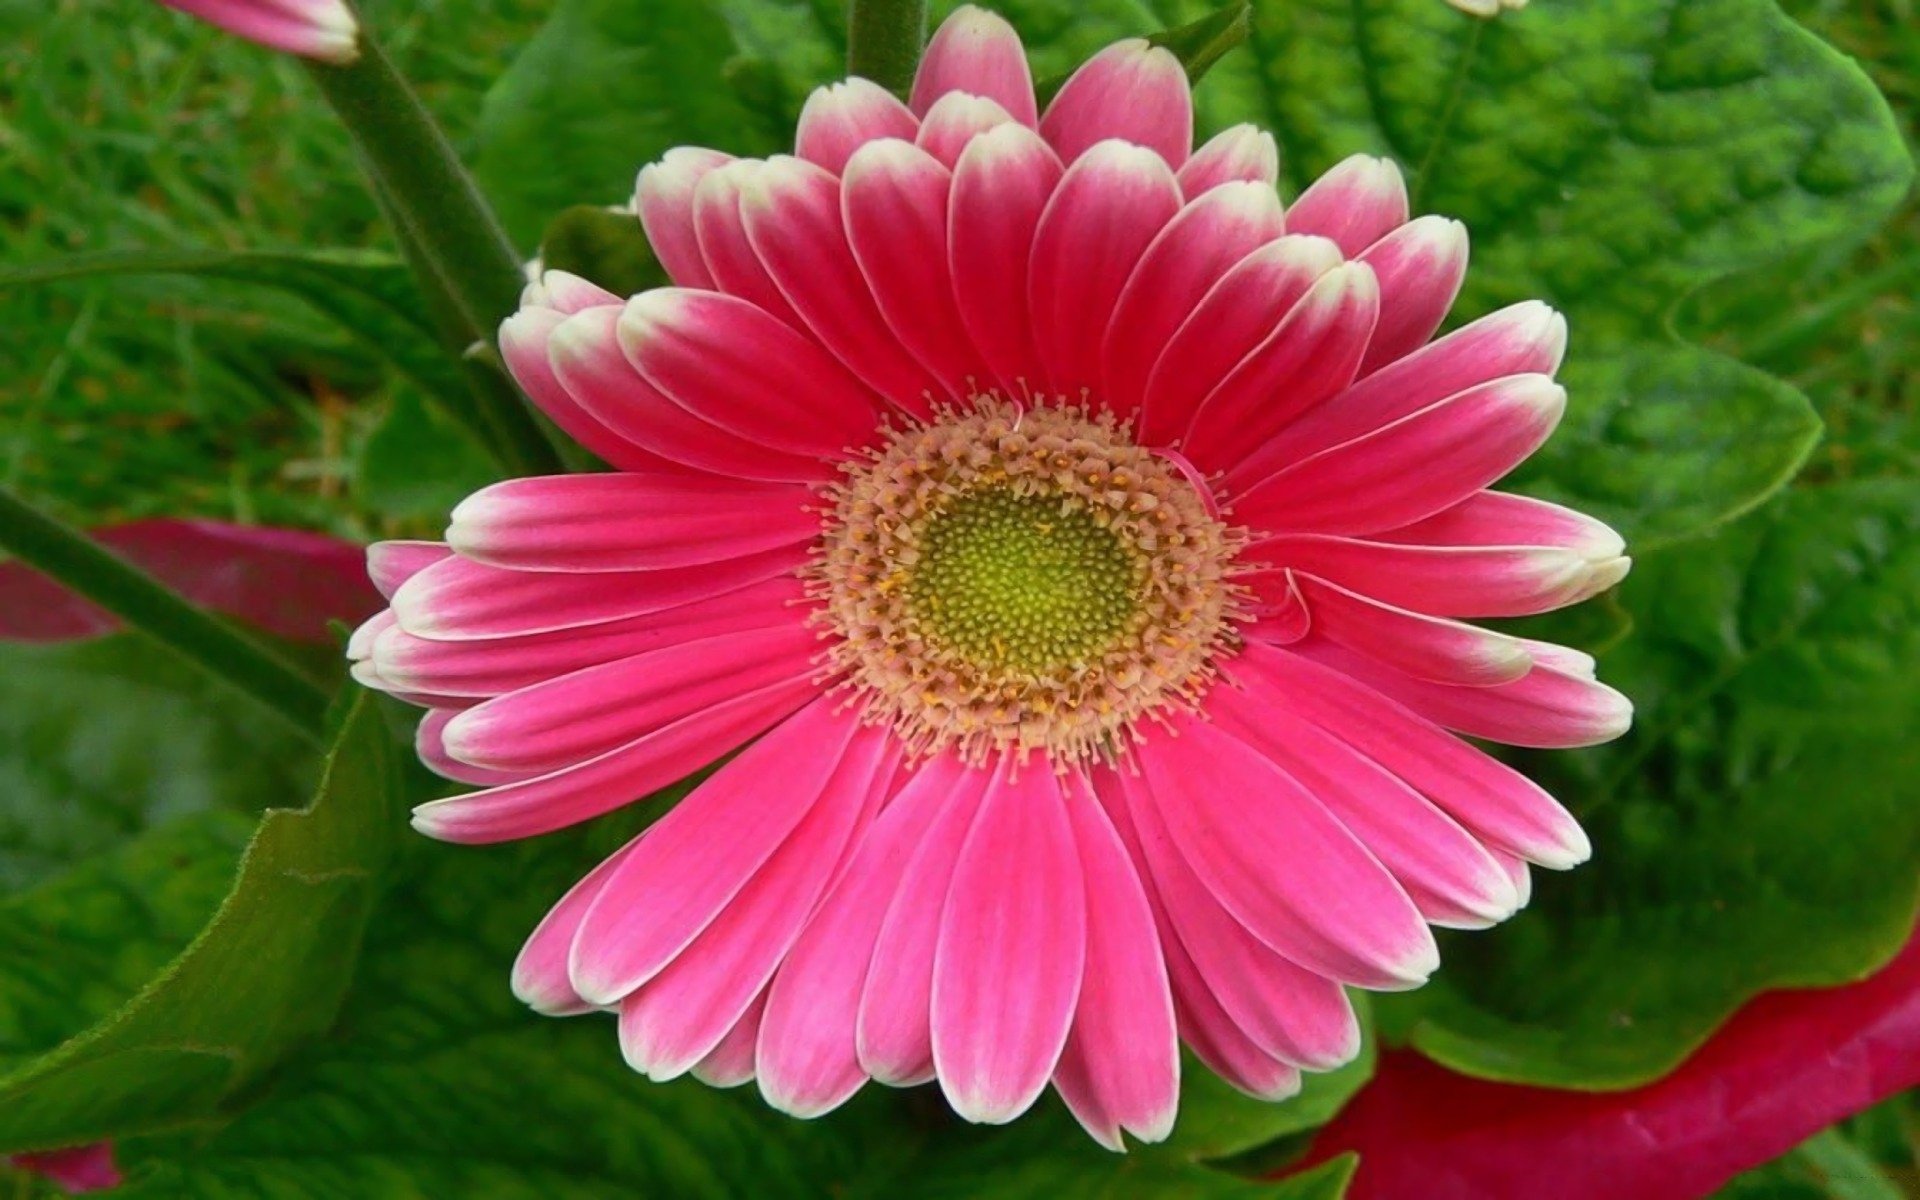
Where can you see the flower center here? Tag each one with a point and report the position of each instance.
(1023, 580)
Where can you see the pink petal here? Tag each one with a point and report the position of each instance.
(733, 366)
(1545, 708)
(809, 1059)
(895, 200)
(841, 117)
(1215, 1038)
(1501, 519)
(682, 1014)
(588, 361)
(1451, 877)
(1001, 186)
(1310, 356)
(1121, 1065)
(1280, 612)
(721, 228)
(523, 346)
(458, 600)
(954, 122)
(429, 743)
(1527, 339)
(663, 198)
(1109, 207)
(319, 29)
(392, 563)
(1234, 318)
(792, 214)
(1443, 580)
(1420, 266)
(1517, 873)
(566, 293)
(1333, 910)
(613, 780)
(627, 522)
(694, 860)
(731, 1063)
(1131, 90)
(1357, 203)
(1424, 647)
(894, 1034)
(493, 666)
(1238, 152)
(540, 978)
(1412, 468)
(977, 52)
(1202, 242)
(1289, 1013)
(580, 716)
(75, 1169)
(1012, 950)
(1495, 802)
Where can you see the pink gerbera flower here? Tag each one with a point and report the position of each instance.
(1078, 546)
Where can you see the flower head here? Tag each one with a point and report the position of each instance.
(322, 29)
(1081, 547)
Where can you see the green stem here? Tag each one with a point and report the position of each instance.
(77, 562)
(884, 39)
(441, 217)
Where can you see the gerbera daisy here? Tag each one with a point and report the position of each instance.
(1078, 546)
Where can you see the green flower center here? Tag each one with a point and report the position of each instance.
(1030, 583)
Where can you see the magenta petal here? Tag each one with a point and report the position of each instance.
(613, 780)
(733, 366)
(1012, 949)
(429, 743)
(809, 1058)
(1420, 266)
(793, 218)
(1502, 519)
(1001, 186)
(1237, 315)
(663, 198)
(841, 117)
(1120, 1068)
(1239, 152)
(1413, 468)
(954, 122)
(720, 226)
(895, 1029)
(627, 522)
(977, 52)
(732, 1063)
(1310, 356)
(392, 563)
(523, 346)
(895, 200)
(1429, 648)
(1495, 802)
(1355, 204)
(1509, 580)
(1202, 242)
(1295, 1015)
(1131, 90)
(597, 709)
(1111, 204)
(682, 1014)
(77, 1170)
(1233, 815)
(683, 872)
(540, 978)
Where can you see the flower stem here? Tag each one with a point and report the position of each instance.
(884, 38)
(443, 221)
(77, 562)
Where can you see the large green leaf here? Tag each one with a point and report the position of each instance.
(603, 88)
(104, 738)
(265, 974)
(1760, 826)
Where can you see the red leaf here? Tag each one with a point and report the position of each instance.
(1786, 1066)
(285, 581)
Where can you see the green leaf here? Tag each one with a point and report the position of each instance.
(605, 87)
(104, 738)
(1609, 159)
(605, 246)
(417, 464)
(264, 976)
(369, 294)
(1758, 828)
